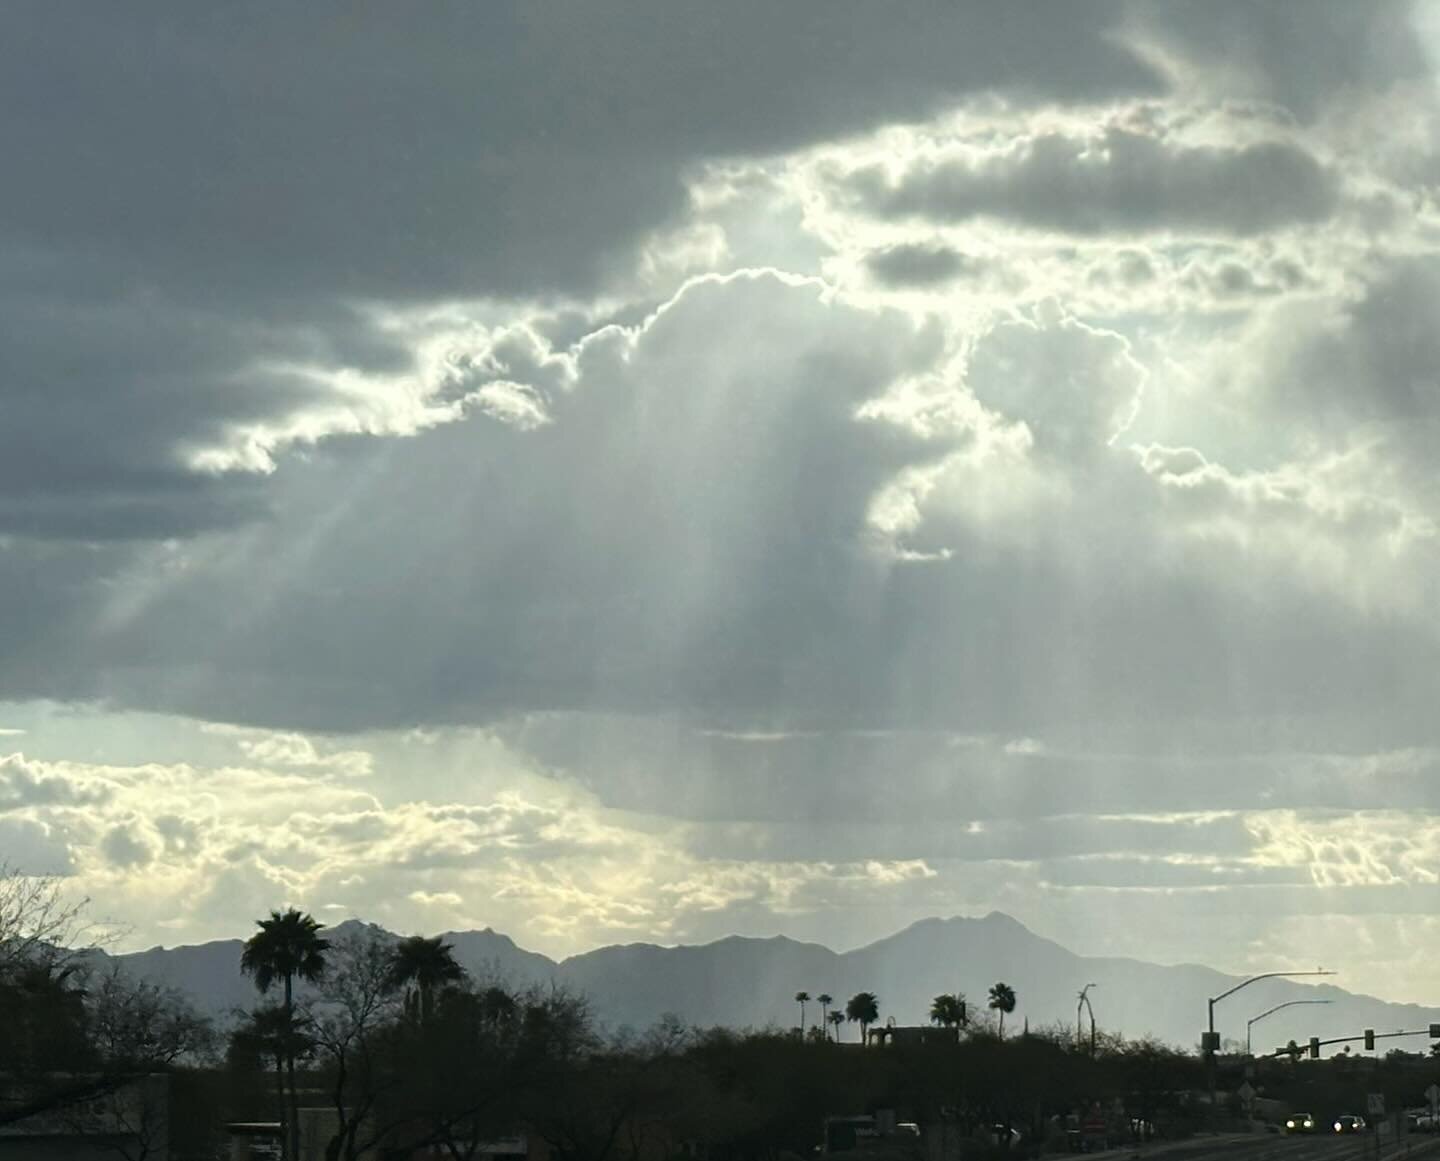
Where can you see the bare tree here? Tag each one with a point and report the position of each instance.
(357, 1010)
(38, 924)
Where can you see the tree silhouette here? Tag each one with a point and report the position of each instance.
(863, 1009)
(286, 948)
(948, 1010)
(1002, 1000)
(428, 964)
(824, 999)
(802, 998)
(836, 1018)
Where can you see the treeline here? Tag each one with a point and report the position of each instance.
(413, 1057)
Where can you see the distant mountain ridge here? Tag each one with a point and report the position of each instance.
(746, 982)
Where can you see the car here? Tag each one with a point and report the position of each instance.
(1300, 1123)
(1349, 1123)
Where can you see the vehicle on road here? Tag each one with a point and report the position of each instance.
(1300, 1123)
(1349, 1123)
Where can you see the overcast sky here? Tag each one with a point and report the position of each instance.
(658, 470)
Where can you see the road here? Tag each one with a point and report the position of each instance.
(1303, 1147)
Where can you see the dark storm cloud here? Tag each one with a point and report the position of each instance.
(1119, 183)
(191, 191)
(1376, 360)
(1297, 55)
(459, 148)
(918, 264)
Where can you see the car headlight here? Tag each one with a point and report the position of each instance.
(1289, 1124)
(1309, 1124)
(1337, 1126)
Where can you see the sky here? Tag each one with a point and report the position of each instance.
(665, 470)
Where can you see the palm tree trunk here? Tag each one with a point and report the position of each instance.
(293, 1129)
(280, 1107)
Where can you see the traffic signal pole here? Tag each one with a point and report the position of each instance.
(1210, 1043)
(1368, 1038)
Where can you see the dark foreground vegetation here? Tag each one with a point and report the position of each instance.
(369, 1048)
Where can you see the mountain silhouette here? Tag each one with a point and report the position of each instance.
(743, 982)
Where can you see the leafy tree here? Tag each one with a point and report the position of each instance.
(499, 1058)
(428, 964)
(863, 1009)
(287, 947)
(266, 1034)
(836, 1019)
(802, 998)
(948, 1010)
(1002, 1000)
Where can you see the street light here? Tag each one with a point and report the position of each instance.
(1085, 1003)
(1212, 1042)
(1256, 1019)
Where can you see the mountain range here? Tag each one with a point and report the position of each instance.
(745, 982)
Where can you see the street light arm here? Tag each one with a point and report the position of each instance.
(1266, 976)
(1277, 1007)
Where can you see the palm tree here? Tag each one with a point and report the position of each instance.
(802, 998)
(948, 1010)
(824, 999)
(287, 947)
(426, 963)
(864, 1009)
(1002, 1000)
(836, 1018)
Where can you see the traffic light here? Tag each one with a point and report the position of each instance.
(1314, 1048)
(1369, 1039)
(1435, 1031)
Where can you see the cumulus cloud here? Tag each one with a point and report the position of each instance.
(270, 748)
(24, 784)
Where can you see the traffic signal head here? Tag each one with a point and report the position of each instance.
(1314, 1048)
(1369, 1039)
(1435, 1031)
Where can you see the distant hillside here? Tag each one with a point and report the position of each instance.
(744, 982)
